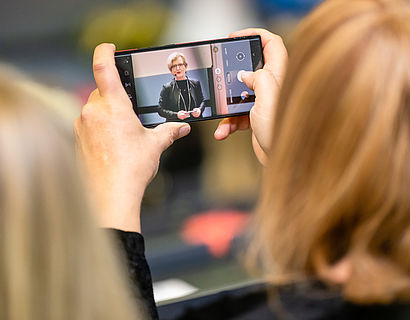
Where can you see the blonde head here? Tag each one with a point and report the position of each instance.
(337, 188)
(54, 262)
(174, 56)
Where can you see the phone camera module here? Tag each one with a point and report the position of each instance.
(240, 56)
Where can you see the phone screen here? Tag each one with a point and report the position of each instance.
(191, 81)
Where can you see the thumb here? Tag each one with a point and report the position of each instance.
(105, 72)
(169, 132)
(248, 78)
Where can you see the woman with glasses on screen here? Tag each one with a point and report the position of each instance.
(182, 97)
(333, 133)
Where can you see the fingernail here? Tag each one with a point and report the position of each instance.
(184, 130)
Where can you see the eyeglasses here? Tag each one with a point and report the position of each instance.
(180, 65)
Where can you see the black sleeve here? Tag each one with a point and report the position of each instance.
(133, 247)
(163, 103)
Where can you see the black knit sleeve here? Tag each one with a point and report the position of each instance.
(132, 243)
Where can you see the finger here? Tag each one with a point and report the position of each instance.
(223, 130)
(264, 85)
(243, 122)
(230, 125)
(274, 50)
(263, 111)
(105, 73)
(260, 81)
(248, 79)
(169, 132)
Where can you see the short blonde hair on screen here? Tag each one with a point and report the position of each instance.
(174, 56)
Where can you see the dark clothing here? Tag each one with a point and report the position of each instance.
(172, 99)
(183, 86)
(133, 246)
(300, 301)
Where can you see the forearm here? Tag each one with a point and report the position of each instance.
(167, 113)
(202, 106)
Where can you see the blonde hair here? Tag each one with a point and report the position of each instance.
(173, 56)
(54, 262)
(337, 185)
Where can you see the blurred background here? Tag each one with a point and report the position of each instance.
(196, 209)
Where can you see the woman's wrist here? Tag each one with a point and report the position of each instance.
(119, 207)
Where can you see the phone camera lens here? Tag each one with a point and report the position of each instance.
(240, 56)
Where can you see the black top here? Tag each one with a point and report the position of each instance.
(301, 301)
(182, 85)
(133, 246)
(171, 99)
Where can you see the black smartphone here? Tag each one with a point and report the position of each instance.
(190, 81)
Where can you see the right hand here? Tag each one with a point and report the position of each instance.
(266, 84)
(182, 115)
(196, 112)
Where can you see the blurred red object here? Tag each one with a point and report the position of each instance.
(215, 229)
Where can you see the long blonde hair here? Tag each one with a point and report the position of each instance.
(337, 186)
(54, 262)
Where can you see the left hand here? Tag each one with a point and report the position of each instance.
(196, 112)
(120, 156)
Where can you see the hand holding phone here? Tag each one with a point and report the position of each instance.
(119, 155)
(266, 84)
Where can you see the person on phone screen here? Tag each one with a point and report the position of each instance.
(182, 97)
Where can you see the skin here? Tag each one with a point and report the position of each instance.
(120, 156)
(266, 84)
(179, 72)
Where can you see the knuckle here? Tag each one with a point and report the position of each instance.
(86, 112)
(166, 140)
(278, 38)
(170, 138)
(261, 73)
(99, 66)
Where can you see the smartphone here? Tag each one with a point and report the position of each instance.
(201, 78)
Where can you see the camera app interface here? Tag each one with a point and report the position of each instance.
(190, 83)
